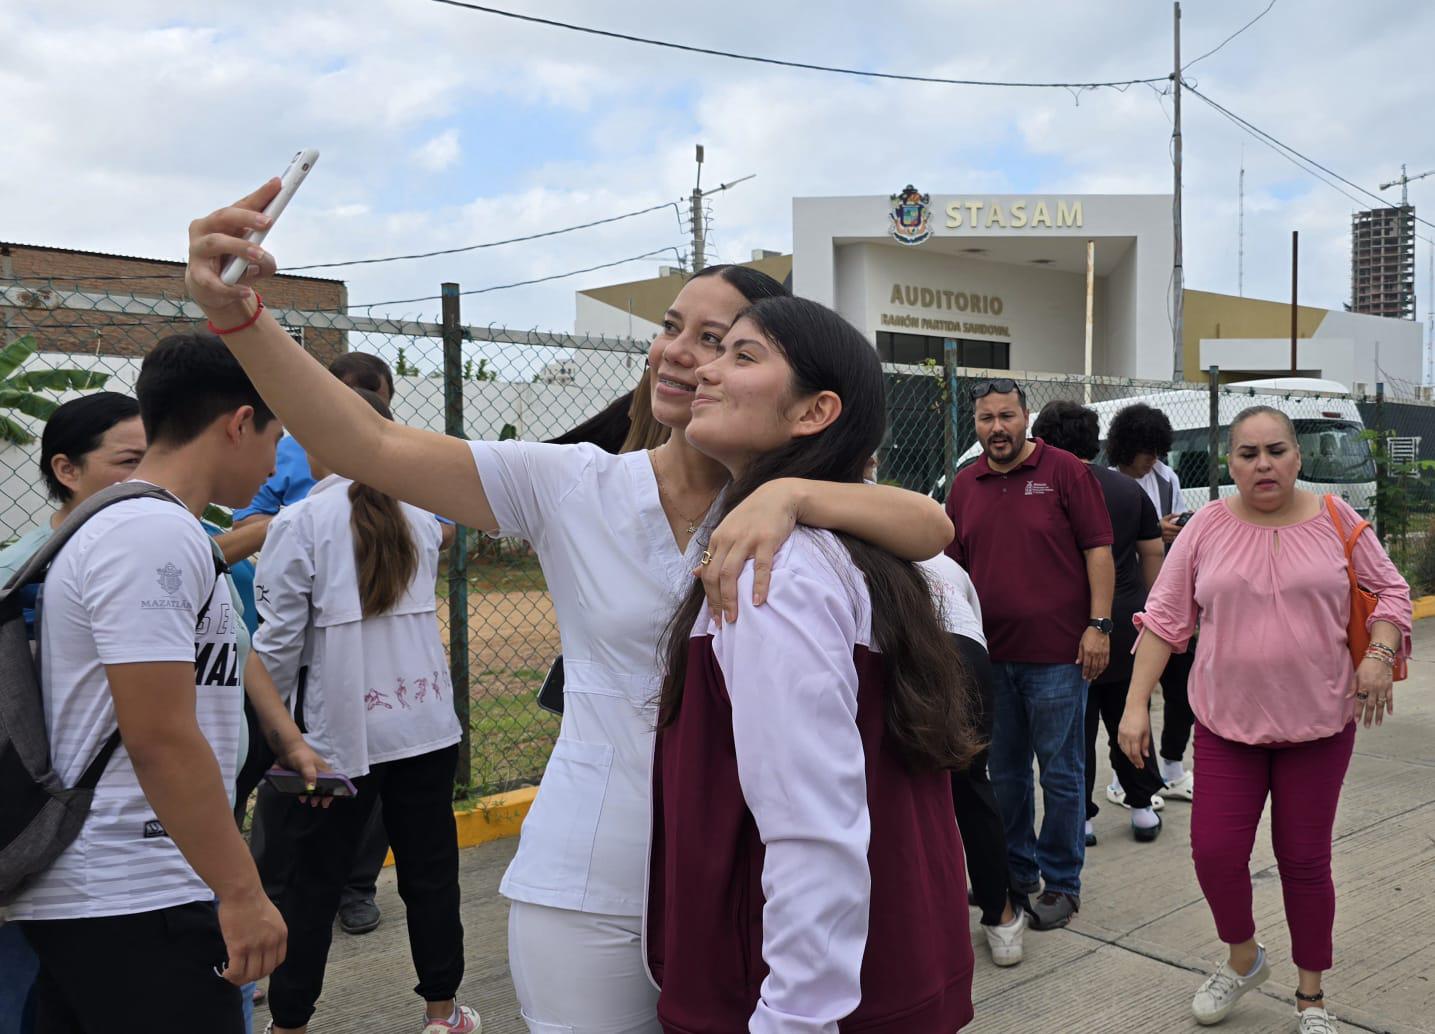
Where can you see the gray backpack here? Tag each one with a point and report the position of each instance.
(39, 815)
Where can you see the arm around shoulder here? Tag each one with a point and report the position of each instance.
(907, 524)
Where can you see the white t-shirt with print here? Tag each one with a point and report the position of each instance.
(129, 588)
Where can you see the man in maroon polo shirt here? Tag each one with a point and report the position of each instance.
(1035, 536)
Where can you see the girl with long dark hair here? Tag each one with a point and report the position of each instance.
(806, 869)
(619, 538)
(346, 590)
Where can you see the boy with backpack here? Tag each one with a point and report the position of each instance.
(140, 680)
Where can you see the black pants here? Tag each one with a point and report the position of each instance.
(1177, 719)
(1105, 702)
(151, 971)
(415, 796)
(368, 859)
(980, 823)
(275, 854)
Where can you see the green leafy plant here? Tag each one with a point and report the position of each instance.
(20, 390)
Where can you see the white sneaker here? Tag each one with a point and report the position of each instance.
(1223, 989)
(1116, 794)
(468, 1023)
(1315, 1021)
(1183, 789)
(1005, 941)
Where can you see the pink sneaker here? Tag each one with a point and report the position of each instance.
(468, 1023)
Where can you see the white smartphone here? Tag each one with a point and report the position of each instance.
(299, 167)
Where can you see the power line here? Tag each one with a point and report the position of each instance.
(525, 283)
(862, 73)
(490, 244)
(1232, 36)
(1282, 148)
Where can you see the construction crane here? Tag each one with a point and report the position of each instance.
(1404, 182)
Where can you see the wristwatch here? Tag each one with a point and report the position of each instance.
(1102, 625)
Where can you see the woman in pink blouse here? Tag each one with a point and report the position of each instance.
(1275, 695)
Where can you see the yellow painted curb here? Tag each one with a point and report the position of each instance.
(500, 815)
(1424, 607)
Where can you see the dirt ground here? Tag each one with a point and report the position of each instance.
(512, 637)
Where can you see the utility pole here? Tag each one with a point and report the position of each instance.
(695, 203)
(1241, 229)
(699, 258)
(1178, 273)
(1295, 265)
(1430, 317)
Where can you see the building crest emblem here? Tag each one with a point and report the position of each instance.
(911, 216)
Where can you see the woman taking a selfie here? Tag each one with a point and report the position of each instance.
(1276, 694)
(806, 868)
(619, 537)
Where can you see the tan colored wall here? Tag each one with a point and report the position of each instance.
(651, 298)
(1210, 315)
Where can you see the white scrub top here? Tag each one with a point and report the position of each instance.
(616, 576)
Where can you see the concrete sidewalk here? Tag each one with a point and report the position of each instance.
(1132, 958)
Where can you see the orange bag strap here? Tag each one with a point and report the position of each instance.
(1349, 540)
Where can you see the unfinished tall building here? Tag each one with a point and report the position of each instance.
(1382, 262)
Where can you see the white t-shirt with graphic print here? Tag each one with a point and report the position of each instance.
(128, 588)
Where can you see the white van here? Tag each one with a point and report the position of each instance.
(1335, 458)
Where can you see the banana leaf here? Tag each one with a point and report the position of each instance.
(31, 405)
(56, 380)
(13, 433)
(15, 353)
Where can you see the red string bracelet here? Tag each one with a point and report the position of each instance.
(243, 326)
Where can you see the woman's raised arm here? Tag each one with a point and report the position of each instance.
(429, 470)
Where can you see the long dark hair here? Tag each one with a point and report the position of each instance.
(384, 552)
(927, 708)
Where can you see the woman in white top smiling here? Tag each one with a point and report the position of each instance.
(619, 538)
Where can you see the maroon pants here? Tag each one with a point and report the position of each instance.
(1303, 782)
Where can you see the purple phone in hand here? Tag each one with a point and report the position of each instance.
(328, 784)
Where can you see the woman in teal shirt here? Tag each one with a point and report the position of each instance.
(88, 444)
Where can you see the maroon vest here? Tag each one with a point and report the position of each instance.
(705, 899)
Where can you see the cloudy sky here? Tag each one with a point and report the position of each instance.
(441, 127)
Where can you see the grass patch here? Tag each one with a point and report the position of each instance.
(511, 735)
(506, 572)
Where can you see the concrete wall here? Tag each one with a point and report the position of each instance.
(1344, 347)
(1044, 310)
(1136, 306)
(599, 318)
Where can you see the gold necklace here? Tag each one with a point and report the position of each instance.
(693, 522)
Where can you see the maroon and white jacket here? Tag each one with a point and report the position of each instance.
(802, 878)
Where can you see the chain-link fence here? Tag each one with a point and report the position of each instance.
(490, 383)
(1376, 453)
(477, 382)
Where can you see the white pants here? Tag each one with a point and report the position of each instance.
(580, 973)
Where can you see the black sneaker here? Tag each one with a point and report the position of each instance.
(1053, 910)
(356, 917)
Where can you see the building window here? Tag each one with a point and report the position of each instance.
(297, 333)
(915, 349)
